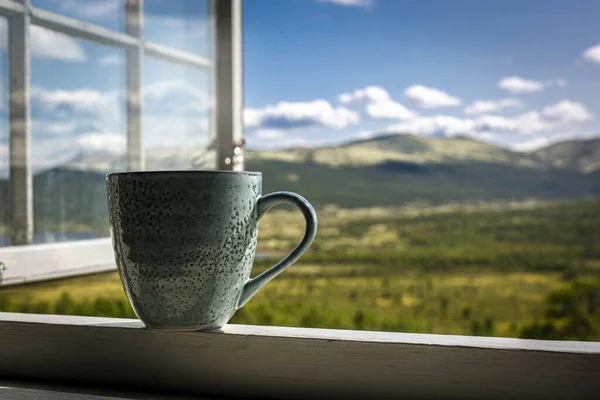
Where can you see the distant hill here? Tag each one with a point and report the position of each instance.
(382, 171)
(402, 148)
(580, 155)
(395, 169)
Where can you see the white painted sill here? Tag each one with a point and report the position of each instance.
(42, 262)
(292, 363)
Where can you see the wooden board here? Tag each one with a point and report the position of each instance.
(293, 363)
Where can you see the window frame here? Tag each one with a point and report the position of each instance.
(223, 65)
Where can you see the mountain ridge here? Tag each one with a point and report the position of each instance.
(580, 154)
(419, 150)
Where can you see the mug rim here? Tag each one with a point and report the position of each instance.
(183, 172)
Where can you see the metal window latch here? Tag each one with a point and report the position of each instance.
(240, 143)
(203, 157)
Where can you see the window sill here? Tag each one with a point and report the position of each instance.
(41, 262)
(278, 362)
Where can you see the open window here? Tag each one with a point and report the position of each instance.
(99, 87)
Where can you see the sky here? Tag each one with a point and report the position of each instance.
(516, 73)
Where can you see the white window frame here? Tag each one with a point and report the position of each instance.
(224, 66)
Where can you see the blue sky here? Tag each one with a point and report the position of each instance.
(518, 73)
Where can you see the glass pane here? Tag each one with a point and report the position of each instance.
(106, 13)
(175, 117)
(181, 24)
(4, 200)
(78, 135)
(454, 161)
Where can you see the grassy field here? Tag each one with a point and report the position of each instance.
(483, 269)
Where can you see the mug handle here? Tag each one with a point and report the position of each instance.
(264, 204)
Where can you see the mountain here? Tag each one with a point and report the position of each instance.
(381, 171)
(580, 155)
(397, 169)
(400, 148)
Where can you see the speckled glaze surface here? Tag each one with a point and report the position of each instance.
(184, 243)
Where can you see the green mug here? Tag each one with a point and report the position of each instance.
(185, 241)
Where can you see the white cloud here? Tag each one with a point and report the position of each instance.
(175, 96)
(369, 94)
(93, 9)
(379, 103)
(567, 111)
(518, 85)
(483, 126)
(364, 135)
(515, 84)
(164, 131)
(284, 141)
(81, 99)
(163, 90)
(532, 122)
(389, 109)
(445, 125)
(349, 3)
(186, 33)
(289, 115)
(592, 54)
(252, 117)
(532, 144)
(427, 97)
(49, 44)
(525, 124)
(50, 127)
(102, 142)
(111, 59)
(490, 106)
(269, 134)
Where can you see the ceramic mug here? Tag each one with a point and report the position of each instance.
(185, 241)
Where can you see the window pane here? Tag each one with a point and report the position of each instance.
(78, 135)
(106, 13)
(181, 24)
(4, 200)
(175, 117)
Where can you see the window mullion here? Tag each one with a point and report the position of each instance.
(21, 188)
(228, 84)
(134, 58)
